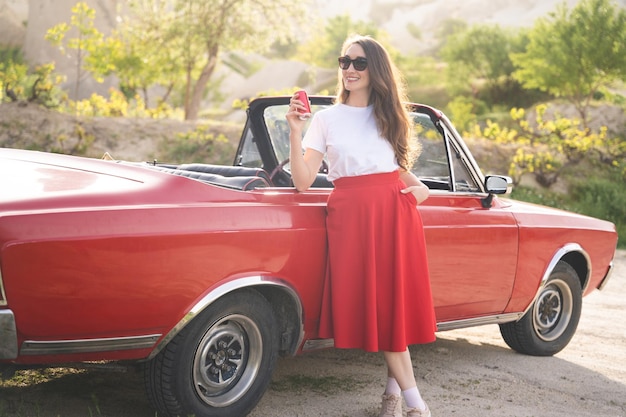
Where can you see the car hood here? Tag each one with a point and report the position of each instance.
(533, 215)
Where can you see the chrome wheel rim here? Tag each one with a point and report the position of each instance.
(552, 311)
(227, 360)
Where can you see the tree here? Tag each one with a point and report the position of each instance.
(448, 28)
(481, 54)
(324, 48)
(575, 54)
(87, 40)
(143, 57)
(190, 35)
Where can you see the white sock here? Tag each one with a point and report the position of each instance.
(413, 398)
(392, 387)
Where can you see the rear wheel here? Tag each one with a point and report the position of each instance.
(550, 323)
(220, 364)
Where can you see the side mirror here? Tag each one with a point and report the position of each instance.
(495, 184)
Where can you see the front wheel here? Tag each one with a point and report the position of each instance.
(220, 364)
(550, 323)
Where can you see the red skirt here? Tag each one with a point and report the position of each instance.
(377, 293)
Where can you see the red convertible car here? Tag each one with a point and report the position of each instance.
(205, 274)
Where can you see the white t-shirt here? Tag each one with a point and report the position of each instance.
(350, 139)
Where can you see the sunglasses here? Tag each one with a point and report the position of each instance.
(359, 63)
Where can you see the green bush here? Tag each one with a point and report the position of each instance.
(11, 54)
(604, 199)
(40, 86)
(540, 196)
(199, 145)
(18, 83)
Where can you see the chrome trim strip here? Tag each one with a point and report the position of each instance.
(60, 347)
(314, 344)
(220, 292)
(3, 296)
(568, 248)
(478, 321)
(8, 335)
(606, 278)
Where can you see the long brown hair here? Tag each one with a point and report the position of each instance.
(387, 95)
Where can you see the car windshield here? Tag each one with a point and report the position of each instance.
(433, 166)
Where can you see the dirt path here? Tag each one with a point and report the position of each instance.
(465, 373)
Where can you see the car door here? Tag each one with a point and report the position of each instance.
(472, 249)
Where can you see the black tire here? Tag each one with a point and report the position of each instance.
(550, 323)
(220, 364)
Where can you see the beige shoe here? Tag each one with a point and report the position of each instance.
(416, 412)
(392, 406)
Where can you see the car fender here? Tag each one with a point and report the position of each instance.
(576, 257)
(283, 297)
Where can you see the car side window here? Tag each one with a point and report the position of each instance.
(278, 130)
(250, 155)
(464, 181)
(432, 166)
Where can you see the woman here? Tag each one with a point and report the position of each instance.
(377, 293)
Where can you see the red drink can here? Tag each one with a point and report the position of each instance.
(304, 98)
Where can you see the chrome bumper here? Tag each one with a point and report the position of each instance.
(8, 335)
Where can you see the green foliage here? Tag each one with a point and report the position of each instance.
(448, 28)
(463, 111)
(484, 49)
(547, 146)
(75, 141)
(87, 45)
(145, 63)
(414, 30)
(507, 92)
(40, 86)
(11, 54)
(575, 54)
(240, 64)
(540, 196)
(117, 105)
(324, 47)
(199, 145)
(146, 54)
(191, 34)
(12, 77)
(78, 143)
(425, 79)
(604, 199)
(480, 54)
(286, 48)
